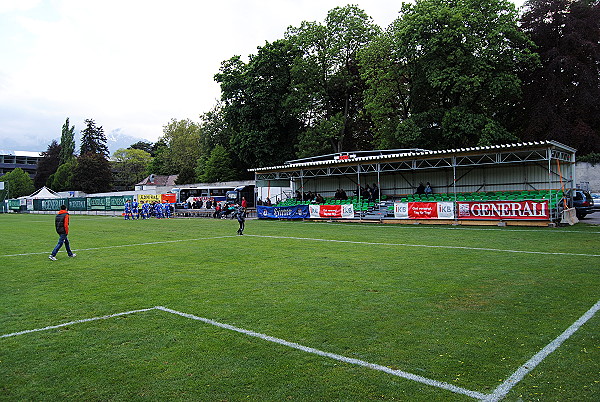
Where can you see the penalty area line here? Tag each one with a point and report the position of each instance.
(499, 393)
(344, 359)
(104, 317)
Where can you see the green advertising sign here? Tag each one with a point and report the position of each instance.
(52, 204)
(117, 203)
(96, 203)
(14, 205)
(77, 204)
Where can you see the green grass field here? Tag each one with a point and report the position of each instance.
(440, 313)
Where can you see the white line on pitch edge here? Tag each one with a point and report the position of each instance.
(124, 245)
(503, 389)
(426, 246)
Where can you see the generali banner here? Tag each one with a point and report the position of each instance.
(424, 210)
(503, 210)
(344, 211)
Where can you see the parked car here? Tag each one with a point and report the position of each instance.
(583, 203)
(596, 197)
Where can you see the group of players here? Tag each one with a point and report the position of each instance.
(146, 210)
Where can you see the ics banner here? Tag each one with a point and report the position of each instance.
(424, 210)
(345, 211)
(506, 210)
(295, 212)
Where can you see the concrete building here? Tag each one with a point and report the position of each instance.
(10, 160)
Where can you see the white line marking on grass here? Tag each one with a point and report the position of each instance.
(433, 226)
(123, 245)
(349, 360)
(499, 393)
(504, 388)
(426, 246)
(104, 317)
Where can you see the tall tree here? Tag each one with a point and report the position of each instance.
(452, 75)
(130, 166)
(92, 173)
(67, 142)
(181, 139)
(48, 164)
(328, 83)
(561, 97)
(217, 167)
(262, 125)
(93, 140)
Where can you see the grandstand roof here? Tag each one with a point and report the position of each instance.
(21, 153)
(382, 155)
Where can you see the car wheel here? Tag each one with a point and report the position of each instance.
(580, 215)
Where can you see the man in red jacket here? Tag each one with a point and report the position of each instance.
(62, 228)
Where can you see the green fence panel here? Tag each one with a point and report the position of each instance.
(97, 203)
(77, 204)
(52, 204)
(14, 205)
(117, 203)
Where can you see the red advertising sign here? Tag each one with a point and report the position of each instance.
(424, 210)
(503, 210)
(169, 197)
(332, 211)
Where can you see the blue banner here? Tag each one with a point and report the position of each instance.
(290, 212)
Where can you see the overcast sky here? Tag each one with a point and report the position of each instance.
(132, 65)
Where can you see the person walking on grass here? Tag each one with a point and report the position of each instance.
(62, 228)
(241, 217)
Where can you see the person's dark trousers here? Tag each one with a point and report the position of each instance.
(62, 239)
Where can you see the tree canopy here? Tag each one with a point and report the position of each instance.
(19, 183)
(47, 165)
(561, 96)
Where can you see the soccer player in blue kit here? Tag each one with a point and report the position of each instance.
(135, 212)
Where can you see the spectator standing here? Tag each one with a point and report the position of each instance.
(244, 203)
(61, 223)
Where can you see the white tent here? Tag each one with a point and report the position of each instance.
(43, 192)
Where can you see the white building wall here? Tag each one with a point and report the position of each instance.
(587, 176)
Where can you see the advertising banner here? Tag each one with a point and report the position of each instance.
(170, 198)
(506, 210)
(14, 205)
(77, 204)
(291, 212)
(344, 211)
(149, 198)
(117, 203)
(52, 204)
(94, 203)
(424, 210)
